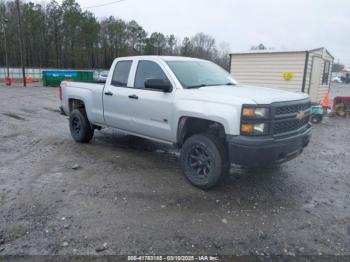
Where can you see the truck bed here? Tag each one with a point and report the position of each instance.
(89, 92)
(87, 81)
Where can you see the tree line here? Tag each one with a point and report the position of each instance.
(65, 36)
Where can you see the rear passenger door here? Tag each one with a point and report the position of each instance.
(117, 109)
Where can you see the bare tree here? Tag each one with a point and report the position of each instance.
(63, 35)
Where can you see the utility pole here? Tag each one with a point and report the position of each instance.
(21, 44)
(5, 45)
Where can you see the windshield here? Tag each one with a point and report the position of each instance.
(195, 74)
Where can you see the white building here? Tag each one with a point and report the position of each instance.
(306, 71)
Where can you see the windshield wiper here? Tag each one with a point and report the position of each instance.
(203, 85)
(196, 86)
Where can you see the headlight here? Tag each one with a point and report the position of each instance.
(254, 129)
(255, 120)
(255, 112)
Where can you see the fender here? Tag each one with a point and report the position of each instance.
(227, 115)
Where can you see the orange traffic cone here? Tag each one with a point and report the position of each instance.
(29, 80)
(325, 101)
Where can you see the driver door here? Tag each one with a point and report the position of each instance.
(153, 109)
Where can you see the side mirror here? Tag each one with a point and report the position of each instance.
(158, 84)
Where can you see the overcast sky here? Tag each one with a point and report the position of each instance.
(295, 24)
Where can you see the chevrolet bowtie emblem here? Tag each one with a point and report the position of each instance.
(300, 115)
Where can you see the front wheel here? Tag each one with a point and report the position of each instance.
(204, 160)
(80, 127)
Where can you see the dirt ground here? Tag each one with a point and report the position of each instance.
(126, 195)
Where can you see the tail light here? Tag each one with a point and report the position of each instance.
(60, 93)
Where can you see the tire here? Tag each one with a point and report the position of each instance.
(204, 160)
(315, 119)
(80, 127)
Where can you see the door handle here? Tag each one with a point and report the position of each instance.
(133, 97)
(108, 93)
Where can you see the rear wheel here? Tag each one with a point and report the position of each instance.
(80, 127)
(204, 160)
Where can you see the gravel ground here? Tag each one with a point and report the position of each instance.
(126, 195)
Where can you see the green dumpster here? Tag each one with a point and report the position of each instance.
(55, 77)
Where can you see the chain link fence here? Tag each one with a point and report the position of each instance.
(16, 73)
(35, 73)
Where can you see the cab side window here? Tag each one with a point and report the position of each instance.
(148, 70)
(121, 73)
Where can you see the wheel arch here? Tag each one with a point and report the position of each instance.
(74, 103)
(189, 125)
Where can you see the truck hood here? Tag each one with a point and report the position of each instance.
(260, 95)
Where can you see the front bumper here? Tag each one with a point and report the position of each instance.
(265, 151)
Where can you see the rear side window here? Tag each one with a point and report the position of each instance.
(121, 73)
(148, 70)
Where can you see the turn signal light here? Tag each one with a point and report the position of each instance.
(250, 112)
(247, 128)
(255, 112)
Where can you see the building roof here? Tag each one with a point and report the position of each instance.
(272, 51)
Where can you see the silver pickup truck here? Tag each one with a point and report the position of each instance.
(196, 106)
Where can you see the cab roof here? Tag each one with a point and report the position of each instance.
(165, 58)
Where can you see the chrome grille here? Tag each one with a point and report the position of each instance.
(288, 125)
(285, 116)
